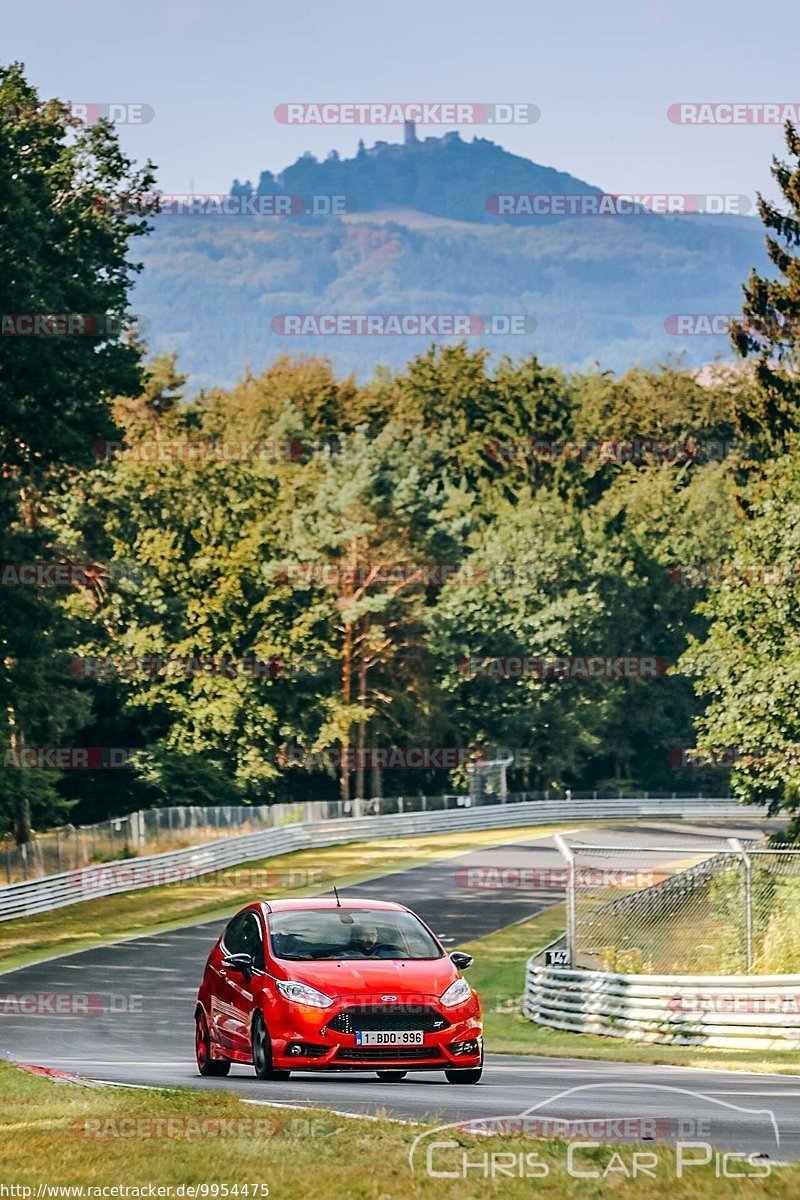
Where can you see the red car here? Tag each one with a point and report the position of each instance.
(318, 985)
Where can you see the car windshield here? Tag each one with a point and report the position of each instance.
(340, 933)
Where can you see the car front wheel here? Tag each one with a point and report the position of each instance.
(207, 1065)
(262, 1052)
(470, 1075)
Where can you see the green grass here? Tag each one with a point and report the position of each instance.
(102, 1137)
(132, 914)
(498, 974)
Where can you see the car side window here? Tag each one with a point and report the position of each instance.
(251, 940)
(233, 937)
(243, 936)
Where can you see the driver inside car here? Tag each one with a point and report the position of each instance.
(363, 939)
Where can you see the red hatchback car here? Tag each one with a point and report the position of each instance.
(318, 985)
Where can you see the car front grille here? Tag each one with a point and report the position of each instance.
(389, 1017)
(389, 1053)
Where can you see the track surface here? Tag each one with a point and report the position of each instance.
(139, 1027)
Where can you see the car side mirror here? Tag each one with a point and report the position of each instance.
(239, 962)
(461, 960)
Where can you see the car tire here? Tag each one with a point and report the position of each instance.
(206, 1065)
(391, 1076)
(262, 1052)
(469, 1075)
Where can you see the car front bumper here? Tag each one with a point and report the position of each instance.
(303, 1040)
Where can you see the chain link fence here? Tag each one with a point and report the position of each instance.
(149, 831)
(684, 909)
(155, 830)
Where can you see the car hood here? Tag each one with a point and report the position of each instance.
(378, 978)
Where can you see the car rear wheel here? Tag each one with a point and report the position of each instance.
(262, 1052)
(470, 1075)
(207, 1065)
(391, 1076)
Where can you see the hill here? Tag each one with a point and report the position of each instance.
(599, 289)
(445, 176)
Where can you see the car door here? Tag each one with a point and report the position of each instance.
(224, 1012)
(241, 991)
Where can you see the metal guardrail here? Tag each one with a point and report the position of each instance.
(755, 1012)
(106, 879)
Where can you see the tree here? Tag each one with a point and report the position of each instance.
(381, 514)
(63, 251)
(770, 332)
(748, 665)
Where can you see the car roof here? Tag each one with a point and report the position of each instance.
(323, 902)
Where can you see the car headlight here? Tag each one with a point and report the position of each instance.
(457, 993)
(301, 993)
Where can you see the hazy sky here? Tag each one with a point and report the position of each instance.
(603, 75)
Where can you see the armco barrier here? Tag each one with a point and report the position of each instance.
(744, 1012)
(88, 883)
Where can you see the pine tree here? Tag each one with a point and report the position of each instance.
(771, 329)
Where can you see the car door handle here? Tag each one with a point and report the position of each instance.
(223, 973)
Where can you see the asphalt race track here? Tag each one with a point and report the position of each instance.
(137, 1025)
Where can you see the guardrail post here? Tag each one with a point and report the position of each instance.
(748, 902)
(569, 858)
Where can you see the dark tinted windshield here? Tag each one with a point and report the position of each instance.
(340, 933)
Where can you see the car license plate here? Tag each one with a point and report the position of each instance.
(401, 1037)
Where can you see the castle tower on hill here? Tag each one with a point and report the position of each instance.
(409, 133)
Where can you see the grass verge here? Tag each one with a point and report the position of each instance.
(303, 872)
(498, 975)
(179, 1140)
